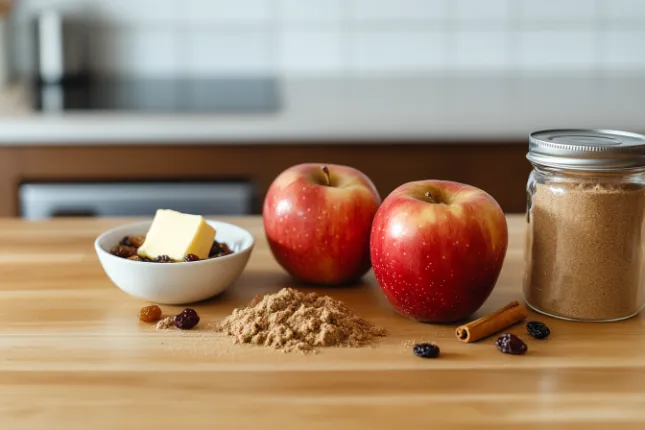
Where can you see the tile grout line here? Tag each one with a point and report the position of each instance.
(275, 46)
(450, 28)
(346, 38)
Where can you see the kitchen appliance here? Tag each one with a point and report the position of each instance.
(184, 95)
(61, 48)
(63, 82)
(48, 200)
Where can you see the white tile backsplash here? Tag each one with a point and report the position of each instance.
(477, 11)
(398, 10)
(557, 10)
(623, 50)
(24, 10)
(299, 11)
(386, 53)
(623, 10)
(482, 50)
(211, 37)
(139, 12)
(552, 50)
(149, 52)
(224, 11)
(311, 52)
(216, 53)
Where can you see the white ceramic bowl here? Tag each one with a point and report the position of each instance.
(175, 283)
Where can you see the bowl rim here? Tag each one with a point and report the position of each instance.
(100, 250)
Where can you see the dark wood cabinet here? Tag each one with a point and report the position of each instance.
(500, 169)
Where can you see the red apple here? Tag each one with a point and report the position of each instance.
(437, 248)
(317, 219)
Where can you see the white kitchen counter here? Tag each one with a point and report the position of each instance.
(457, 109)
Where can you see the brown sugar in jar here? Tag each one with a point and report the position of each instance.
(585, 242)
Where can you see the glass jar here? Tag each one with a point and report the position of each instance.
(585, 236)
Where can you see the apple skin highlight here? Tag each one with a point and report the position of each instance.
(437, 248)
(318, 223)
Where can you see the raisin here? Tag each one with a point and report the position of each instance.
(191, 257)
(426, 350)
(225, 249)
(186, 319)
(150, 313)
(537, 329)
(163, 259)
(215, 249)
(123, 251)
(219, 249)
(135, 241)
(511, 344)
(135, 258)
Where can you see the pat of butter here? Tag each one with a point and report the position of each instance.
(176, 235)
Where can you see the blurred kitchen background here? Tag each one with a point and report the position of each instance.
(118, 107)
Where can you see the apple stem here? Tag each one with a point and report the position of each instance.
(429, 196)
(327, 175)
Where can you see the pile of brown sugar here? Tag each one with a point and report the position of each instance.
(290, 320)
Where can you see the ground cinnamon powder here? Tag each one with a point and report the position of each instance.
(291, 320)
(584, 250)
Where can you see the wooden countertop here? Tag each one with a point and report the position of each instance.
(74, 356)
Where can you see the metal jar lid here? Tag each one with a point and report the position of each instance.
(587, 149)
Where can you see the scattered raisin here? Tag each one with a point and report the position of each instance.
(426, 350)
(150, 313)
(135, 258)
(123, 251)
(537, 329)
(135, 241)
(511, 344)
(163, 259)
(191, 257)
(186, 319)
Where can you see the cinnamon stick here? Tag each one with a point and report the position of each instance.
(492, 323)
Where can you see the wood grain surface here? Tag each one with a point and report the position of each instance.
(74, 356)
